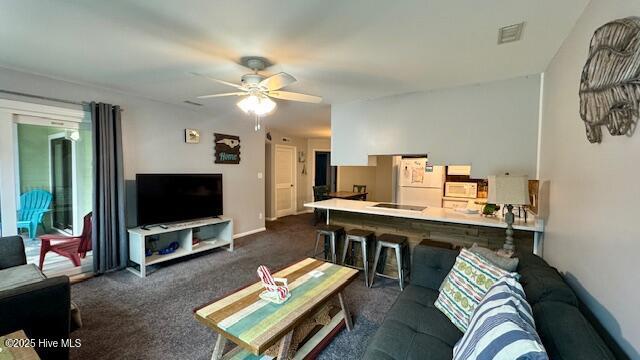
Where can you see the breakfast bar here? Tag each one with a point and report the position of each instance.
(433, 223)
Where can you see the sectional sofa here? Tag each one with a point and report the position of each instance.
(414, 329)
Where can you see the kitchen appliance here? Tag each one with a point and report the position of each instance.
(454, 203)
(466, 190)
(420, 183)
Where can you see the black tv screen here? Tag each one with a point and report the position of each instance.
(165, 198)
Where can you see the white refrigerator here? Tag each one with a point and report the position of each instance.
(420, 183)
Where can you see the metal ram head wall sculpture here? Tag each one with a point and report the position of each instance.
(610, 83)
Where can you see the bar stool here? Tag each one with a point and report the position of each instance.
(401, 246)
(362, 237)
(333, 232)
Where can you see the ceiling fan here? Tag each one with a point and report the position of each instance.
(257, 90)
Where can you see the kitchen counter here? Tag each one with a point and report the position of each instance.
(533, 225)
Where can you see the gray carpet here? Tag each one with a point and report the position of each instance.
(126, 317)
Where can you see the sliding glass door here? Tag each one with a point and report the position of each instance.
(46, 182)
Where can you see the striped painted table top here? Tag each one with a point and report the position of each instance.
(256, 324)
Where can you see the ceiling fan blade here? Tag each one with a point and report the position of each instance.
(219, 81)
(277, 81)
(221, 95)
(287, 95)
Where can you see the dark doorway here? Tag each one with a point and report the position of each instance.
(325, 174)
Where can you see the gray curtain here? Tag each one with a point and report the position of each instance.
(110, 246)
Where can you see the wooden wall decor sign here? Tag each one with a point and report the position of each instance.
(227, 149)
(610, 84)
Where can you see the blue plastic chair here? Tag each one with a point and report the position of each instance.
(33, 205)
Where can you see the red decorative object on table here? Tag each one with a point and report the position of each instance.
(274, 292)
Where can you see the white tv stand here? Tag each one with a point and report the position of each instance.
(213, 233)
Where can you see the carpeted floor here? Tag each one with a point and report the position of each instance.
(126, 317)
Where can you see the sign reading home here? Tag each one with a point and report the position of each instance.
(227, 149)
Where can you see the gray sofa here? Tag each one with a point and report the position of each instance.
(31, 302)
(414, 329)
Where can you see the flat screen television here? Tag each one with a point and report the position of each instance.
(165, 198)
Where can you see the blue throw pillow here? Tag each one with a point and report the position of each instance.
(501, 327)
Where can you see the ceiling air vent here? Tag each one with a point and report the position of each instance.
(192, 103)
(510, 33)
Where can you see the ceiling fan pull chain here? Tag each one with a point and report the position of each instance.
(257, 126)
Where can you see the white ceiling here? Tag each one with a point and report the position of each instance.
(338, 49)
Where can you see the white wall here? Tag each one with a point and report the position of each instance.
(358, 175)
(384, 178)
(153, 141)
(378, 179)
(592, 234)
(463, 125)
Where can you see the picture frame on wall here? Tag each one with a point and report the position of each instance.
(191, 136)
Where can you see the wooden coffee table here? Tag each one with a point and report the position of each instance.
(255, 325)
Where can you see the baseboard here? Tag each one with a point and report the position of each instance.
(250, 232)
(271, 219)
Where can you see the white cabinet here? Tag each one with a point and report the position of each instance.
(459, 170)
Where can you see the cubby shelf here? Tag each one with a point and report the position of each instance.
(217, 232)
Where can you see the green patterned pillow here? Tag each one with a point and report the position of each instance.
(465, 286)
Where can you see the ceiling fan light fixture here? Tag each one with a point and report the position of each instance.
(248, 103)
(257, 104)
(265, 106)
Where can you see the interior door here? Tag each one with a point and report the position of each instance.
(285, 174)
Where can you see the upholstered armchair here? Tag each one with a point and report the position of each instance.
(32, 302)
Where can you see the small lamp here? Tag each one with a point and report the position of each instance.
(508, 190)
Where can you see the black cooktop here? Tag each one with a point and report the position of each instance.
(400, 207)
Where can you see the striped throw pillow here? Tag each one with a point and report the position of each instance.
(465, 286)
(502, 327)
